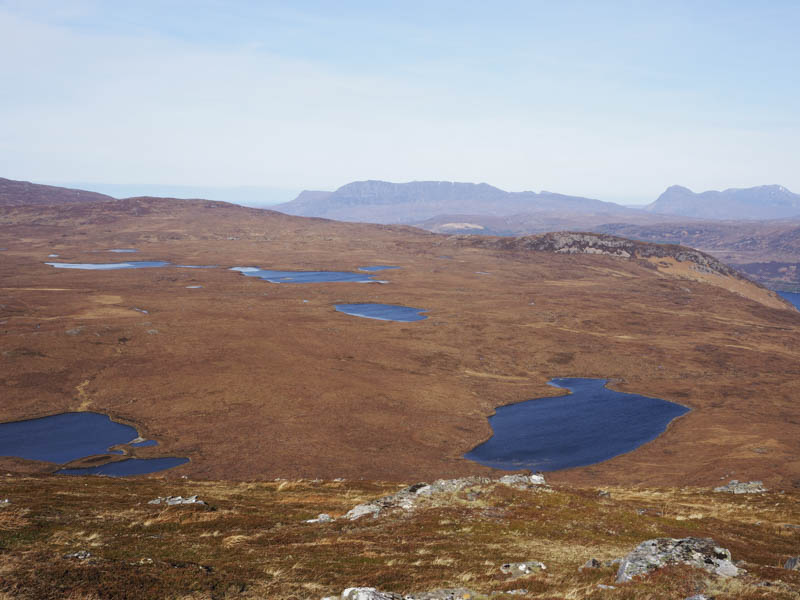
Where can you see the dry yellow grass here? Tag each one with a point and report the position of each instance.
(252, 542)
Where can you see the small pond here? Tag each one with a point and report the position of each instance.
(383, 312)
(69, 436)
(590, 425)
(196, 266)
(304, 276)
(377, 268)
(141, 264)
(792, 297)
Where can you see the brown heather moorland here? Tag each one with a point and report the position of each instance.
(255, 381)
(251, 541)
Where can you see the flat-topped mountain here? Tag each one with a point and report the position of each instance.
(21, 193)
(385, 202)
(761, 202)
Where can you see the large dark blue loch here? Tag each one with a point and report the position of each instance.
(383, 312)
(588, 426)
(304, 276)
(67, 437)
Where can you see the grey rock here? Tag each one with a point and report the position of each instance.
(443, 594)
(321, 518)
(407, 498)
(5, 502)
(519, 592)
(696, 552)
(603, 586)
(521, 569)
(79, 555)
(604, 493)
(592, 563)
(522, 481)
(742, 487)
(368, 593)
(698, 597)
(793, 564)
(176, 500)
(362, 510)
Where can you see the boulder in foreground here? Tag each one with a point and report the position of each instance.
(701, 553)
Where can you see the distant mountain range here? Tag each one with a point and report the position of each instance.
(758, 226)
(762, 202)
(385, 202)
(418, 202)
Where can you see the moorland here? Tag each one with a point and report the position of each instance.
(256, 381)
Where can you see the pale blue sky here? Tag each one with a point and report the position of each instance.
(615, 100)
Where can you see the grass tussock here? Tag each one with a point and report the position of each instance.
(251, 540)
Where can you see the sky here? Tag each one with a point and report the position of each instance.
(608, 99)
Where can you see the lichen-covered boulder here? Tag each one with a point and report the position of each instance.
(177, 500)
(523, 481)
(321, 518)
(742, 487)
(521, 569)
(701, 553)
(362, 510)
(368, 593)
(445, 594)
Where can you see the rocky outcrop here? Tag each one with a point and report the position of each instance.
(407, 498)
(742, 487)
(522, 569)
(523, 481)
(654, 554)
(793, 564)
(321, 518)
(368, 593)
(594, 563)
(568, 242)
(177, 500)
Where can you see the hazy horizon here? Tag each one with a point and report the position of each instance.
(249, 195)
(262, 196)
(608, 100)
